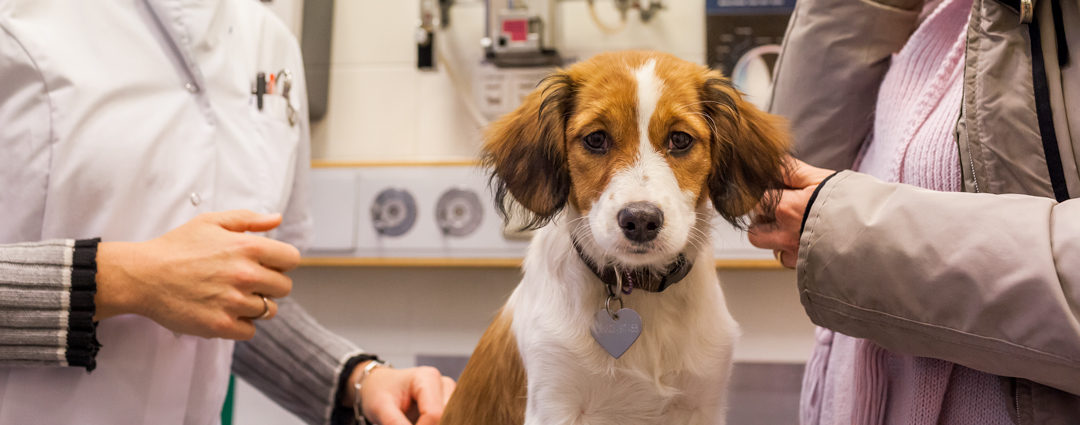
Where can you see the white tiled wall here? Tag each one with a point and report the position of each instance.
(382, 108)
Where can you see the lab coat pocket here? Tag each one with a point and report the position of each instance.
(278, 140)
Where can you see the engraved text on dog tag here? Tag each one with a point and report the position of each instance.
(616, 336)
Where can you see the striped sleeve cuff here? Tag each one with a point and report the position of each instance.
(82, 344)
(47, 303)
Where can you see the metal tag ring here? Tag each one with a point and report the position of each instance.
(617, 291)
(607, 306)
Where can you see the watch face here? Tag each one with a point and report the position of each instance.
(394, 212)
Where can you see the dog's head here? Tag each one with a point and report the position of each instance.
(638, 143)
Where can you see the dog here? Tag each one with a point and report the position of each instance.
(621, 162)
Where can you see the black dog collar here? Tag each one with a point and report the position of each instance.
(641, 277)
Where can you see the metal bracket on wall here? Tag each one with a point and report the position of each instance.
(315, 46)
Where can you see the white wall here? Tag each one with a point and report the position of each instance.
(382, 108)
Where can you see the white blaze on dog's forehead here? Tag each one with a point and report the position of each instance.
(648, 178)
(650, 163)
(648, 95)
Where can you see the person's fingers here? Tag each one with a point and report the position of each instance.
(448, 387)
(243, 220)
(789, 210)
(771, 237)
(758, 215)
(792, 176)
(801, 174)
(271, 310)
(426, 389)
(275, 285)
(254, 278)
(785, 206)
(385, 411)
(253, 308)
(276, 255)
(231, 328)
(764, 237)
(789, 259)
(786, 258)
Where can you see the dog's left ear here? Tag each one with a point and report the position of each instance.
(749, 151)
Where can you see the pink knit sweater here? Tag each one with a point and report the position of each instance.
(854, 381)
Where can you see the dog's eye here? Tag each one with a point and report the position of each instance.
(679, 141)
(598, 141)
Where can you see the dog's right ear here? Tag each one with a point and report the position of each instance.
(749, 154)
(526, 153)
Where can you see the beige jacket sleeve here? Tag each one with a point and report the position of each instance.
(834, 57)
(991, 282)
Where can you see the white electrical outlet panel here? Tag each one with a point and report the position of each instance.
(730, 243)
(462, 231)
(333, 210)
(433, 212)
(500, 90)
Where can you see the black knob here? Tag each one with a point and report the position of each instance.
(641, 221)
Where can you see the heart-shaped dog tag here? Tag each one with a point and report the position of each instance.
(616, 336)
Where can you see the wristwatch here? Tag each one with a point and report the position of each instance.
(358, 409)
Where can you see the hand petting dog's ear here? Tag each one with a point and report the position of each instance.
(801, 175)
(782, 236)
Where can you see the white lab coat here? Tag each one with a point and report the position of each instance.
(124, 119)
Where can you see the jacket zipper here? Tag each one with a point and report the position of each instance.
(1017, 400)
(971, 159)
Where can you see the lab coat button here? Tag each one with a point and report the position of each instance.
(195, 199)
(191, 87)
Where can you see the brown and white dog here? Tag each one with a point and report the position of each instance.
(626, 155)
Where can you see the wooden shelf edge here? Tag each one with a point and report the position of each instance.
(766, 264)
(468, 162)
(407, 262)
(724, 264)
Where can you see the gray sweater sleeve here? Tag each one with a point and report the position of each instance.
(296, 362)
(47, 303)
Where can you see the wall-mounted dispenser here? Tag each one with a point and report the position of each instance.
(521, 33)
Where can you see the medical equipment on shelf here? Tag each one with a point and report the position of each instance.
(521, 33)
(743, 40)
(518, 33)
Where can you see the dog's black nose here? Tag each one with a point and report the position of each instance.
(640, 221)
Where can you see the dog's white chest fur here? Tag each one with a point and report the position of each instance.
(675, 373)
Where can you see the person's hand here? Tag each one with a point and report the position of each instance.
(782, 236)
(388, 393)
(205, 278)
